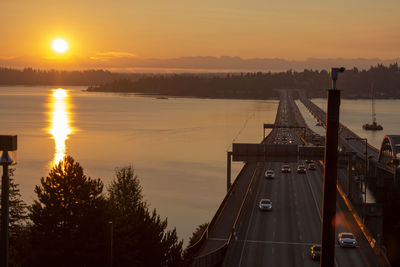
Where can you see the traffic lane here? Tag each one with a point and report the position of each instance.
(234, 252)
(363, 254)
(285, 230)
(344, 222)
(260, 224)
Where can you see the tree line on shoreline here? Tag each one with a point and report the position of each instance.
(258, 85)
(69, 223)
(31, 77)
(355, 83)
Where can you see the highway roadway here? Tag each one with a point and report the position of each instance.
(283, 236)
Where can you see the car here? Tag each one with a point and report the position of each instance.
(347, 240)
(309, 161)
(269, 174)
(286, 168)
(301, 168)
(315, 252)
(265, 204)
(312, 167)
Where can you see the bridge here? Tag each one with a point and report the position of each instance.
(240, 234)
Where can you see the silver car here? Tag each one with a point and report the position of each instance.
(265, 204)
(347, 240)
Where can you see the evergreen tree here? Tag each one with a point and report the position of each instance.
(69, 218)
(140, 236)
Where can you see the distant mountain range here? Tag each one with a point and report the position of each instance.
(120, 63)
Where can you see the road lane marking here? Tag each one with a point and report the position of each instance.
(251, 216)
(278, 242)
(313, 195)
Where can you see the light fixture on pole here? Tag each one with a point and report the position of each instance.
(8, 148)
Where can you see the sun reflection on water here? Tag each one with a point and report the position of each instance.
(60, 122)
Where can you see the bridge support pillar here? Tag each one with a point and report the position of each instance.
(330, 177)
(228, 170)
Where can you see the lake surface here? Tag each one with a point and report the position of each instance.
(177, 145)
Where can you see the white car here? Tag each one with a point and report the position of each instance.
(347, 240)
(269, 174)
(265, 204)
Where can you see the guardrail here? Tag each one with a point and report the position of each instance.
(241, 207)
(215, 258)
(371, 240)
(196, 246)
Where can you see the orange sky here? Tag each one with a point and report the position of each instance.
(102, 30)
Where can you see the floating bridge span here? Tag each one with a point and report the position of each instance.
(240, 235)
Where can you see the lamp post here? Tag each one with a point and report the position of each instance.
(7, 143)
(363, 190)
(330, 173)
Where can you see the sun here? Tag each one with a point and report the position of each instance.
(59, 45)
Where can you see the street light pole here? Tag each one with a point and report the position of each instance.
(5, 192)
(7, 143)
(330, 173)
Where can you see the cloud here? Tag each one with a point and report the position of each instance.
(110, 55)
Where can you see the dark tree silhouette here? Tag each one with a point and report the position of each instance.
(259, 85)
(140, 236)
(69, 218)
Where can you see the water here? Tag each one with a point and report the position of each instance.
(177, 146)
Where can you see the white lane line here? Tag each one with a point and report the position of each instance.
(319, 212)
(313, 195)
(251, 218)
(278, 243)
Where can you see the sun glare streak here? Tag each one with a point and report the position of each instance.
(60, 128)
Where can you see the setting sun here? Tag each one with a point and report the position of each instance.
(59, 45)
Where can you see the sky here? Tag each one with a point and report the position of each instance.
(119, 33)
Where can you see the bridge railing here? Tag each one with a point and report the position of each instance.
(195, 248)
(212, 259)
(240, 212)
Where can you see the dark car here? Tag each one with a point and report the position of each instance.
(301, 168)
(312, 167)
(286, 168)
(315, 252)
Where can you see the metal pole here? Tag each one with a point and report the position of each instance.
(5, 188)
(366, 170)
(330, 174)
(228, 170)
(110, 244)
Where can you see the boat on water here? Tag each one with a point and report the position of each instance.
(374, 126)
(162, 97)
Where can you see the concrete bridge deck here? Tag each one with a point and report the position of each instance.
(245, 236)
